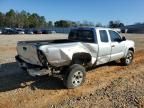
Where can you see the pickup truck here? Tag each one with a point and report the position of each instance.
(86, 47)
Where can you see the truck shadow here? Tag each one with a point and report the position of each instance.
(114, 63)
(12, 77)
(47, 83)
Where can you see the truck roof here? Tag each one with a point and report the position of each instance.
(89, 28)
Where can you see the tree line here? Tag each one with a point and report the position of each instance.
(25, 19)
(21, 19)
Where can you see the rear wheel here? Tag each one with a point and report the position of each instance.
(128, 59)
(75, 76)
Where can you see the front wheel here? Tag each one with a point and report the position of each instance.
(75, 76)
(128, 59)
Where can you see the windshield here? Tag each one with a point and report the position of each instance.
(82, 35)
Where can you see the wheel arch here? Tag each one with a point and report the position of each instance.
(81, 58)
(131, 49)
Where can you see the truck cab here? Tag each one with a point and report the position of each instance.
(107, 44)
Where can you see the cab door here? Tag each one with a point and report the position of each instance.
(117, 45)
(104, 53)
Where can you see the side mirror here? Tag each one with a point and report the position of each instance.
(123, 38)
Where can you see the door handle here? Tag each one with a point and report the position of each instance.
(113, 46)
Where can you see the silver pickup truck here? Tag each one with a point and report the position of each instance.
(85, 47)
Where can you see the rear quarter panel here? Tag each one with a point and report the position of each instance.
(61, 54)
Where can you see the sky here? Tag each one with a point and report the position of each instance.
(127, 11)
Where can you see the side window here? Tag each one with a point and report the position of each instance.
(103, 36)
(115, 37)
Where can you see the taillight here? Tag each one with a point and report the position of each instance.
(42, 58)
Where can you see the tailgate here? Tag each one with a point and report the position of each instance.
(28, 53)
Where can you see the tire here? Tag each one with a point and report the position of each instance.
(128, 59)
(75, 76)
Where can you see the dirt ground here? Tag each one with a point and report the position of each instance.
(108, 86)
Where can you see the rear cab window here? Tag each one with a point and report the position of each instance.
(103, 36)
(82, 35)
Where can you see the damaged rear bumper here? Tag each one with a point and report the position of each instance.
(33, 70)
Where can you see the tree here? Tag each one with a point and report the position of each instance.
(11, 18)
(1, 19)
(121, 25)
(22, 19)
(87, 23)
(73, 24)
(99, 25)
(36, 21)
(42, 21)
(111, 24)
(115, 24)
(62, 23)
(50, 24)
